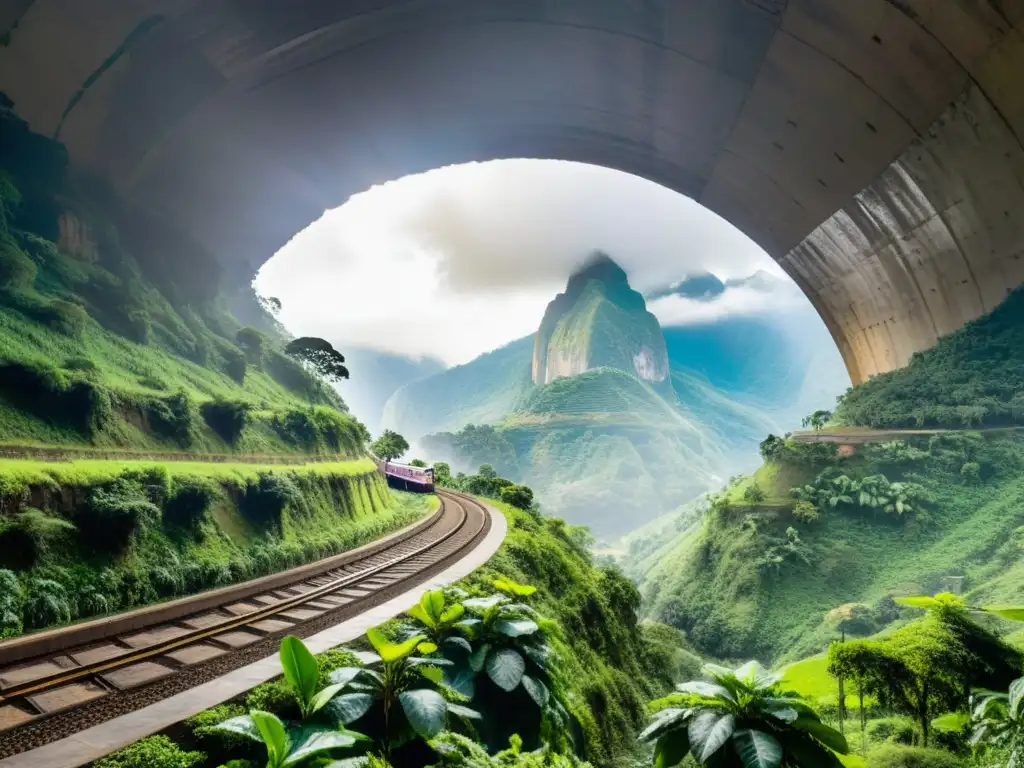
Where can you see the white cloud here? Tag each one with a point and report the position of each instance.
(460, 260)
(739, 300)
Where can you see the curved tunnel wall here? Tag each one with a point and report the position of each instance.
(872, 147)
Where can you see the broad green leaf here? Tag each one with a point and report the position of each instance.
(513, 587)
(366, 657)
(349, 707)
(701, 688)
(431, 673)
(951, 722)
(452, 613)
(805, 751)
(426, 648)
(274, 735)
(314, 741)
(391, 652)
(708, 731)
(344, 675)
(322, 697)
(757, 749)
(425, 710)
(662, 721)
(468, 626)
(460, 643)
(505, 667)
(537, 690)
(671, 748)
(421, 616)
(350, 762)
(476, 661)
(538, 654)
(750, 672)
(242, 725)
(377, 638)
(437, 661)
(463, 712)
(1014, 696)
(484, 603)
(830, 737)
(1012, 612)
(433, 603)
(515, 628)
(785, 714)
(300, 667)
(462, 678)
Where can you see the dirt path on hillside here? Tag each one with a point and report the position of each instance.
(854, 435)
(60, 453)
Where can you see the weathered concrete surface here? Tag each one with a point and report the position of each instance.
(872, 147)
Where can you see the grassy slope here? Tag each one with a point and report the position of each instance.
(328, 508)
(708, 582)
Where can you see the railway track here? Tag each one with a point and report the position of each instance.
(82, 676)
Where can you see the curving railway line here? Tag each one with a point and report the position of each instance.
(55, 684)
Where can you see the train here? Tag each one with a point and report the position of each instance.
(406, 477)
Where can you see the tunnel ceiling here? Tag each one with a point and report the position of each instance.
(871, 146)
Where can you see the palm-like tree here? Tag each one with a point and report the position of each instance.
(742, 719)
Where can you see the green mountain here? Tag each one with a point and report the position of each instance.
(587, 411)
(765, 573)
(599, 322)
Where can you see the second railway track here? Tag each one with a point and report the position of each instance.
(83, 681)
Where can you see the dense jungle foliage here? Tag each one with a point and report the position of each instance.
(484, 673)
(972, 377)
(89, 539)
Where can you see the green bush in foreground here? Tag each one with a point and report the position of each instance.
(899, 756)
(152, 752)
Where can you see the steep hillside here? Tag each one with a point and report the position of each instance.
(770, 572)
(114, 331)
(481, 391)
(376, 377)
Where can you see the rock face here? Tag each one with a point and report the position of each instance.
(599, 321)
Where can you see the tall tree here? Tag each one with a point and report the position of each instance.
(390, 446)
(318, 355)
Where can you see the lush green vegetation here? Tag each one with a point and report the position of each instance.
(105, 536)
(114, 332)
(806, 577)
(506, 666)
(972, 377)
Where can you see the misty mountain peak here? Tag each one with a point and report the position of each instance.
(599, 321)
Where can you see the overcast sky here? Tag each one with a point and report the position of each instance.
(461, 260)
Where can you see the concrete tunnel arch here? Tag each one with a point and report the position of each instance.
(873, 148)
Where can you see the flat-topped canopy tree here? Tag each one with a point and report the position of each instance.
(319, 355)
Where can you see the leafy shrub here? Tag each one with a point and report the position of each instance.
(288, 373)
(753, 494)
(46, 603)
(92, 602)
(152, 752)
(899, 756)
(114, 512)
(970, 472)
(898, 730)
(191, 499)
(80, 364)
(165, 581)
(251, 342)
(234, 365)
(135, 588)
(276, 697)
(17, 271)
(138, 326)
(519, 496)
(227, 418)
(173, 417)
(53, 396)
(24, 536)
(296, 428)
(267, 498)
(12, 598)
(66, 317)
(805, 511)
(219, 745)
(155, 481)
